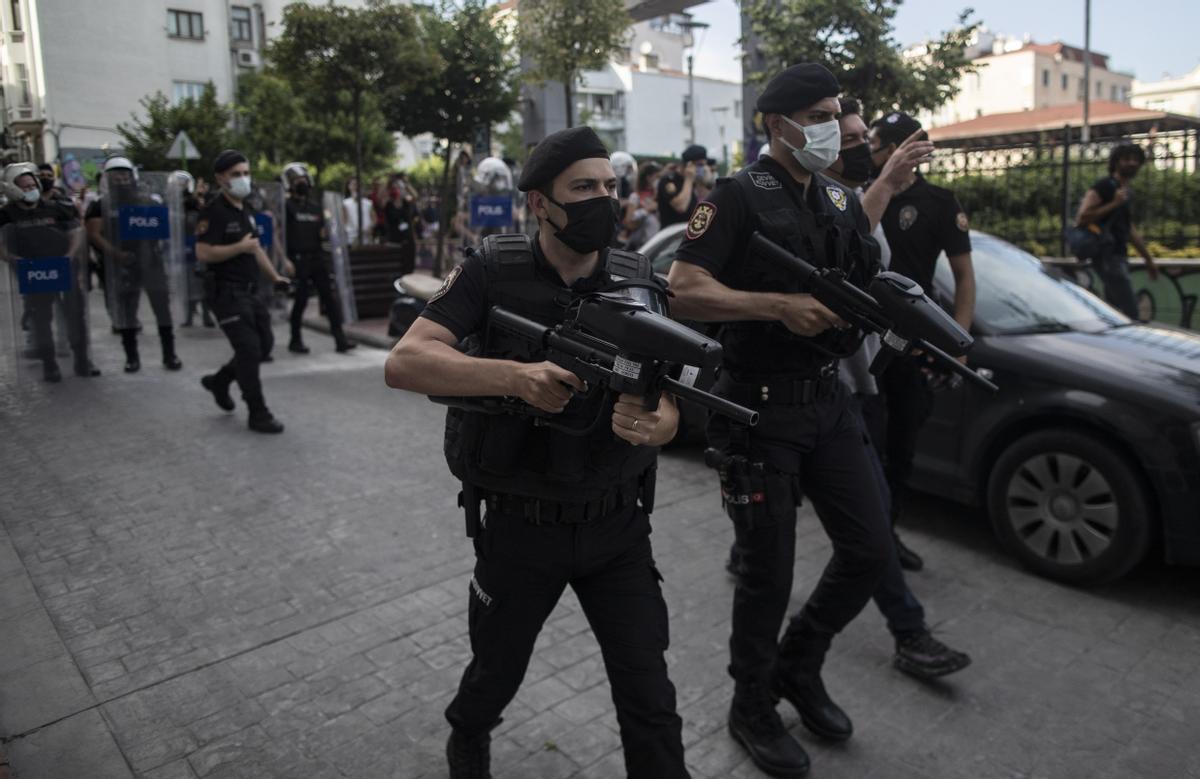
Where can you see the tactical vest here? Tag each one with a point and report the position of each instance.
(304, 220)
(509, 454)
(826, 238)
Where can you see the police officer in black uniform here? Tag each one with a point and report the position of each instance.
(921, 221)
(42, 226)
(305, 231)
(227, 245)
(561, 509)
(780, 357)
(676, 194)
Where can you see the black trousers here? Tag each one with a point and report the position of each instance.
(312, 271)
(244, 319)
(131, 278)
(818, 449)
(521, 571)
(909, 402)
(40, 310)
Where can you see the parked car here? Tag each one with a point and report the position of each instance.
(1090, 451)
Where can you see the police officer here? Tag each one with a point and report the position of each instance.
(34, 221)
(676, 188)
(136, 266)
(306, 230)
(193, 198)
(780, 357)
(227, 245)
(921, 221)
(561, 509)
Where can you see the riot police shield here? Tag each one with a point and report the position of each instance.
(138, 257)
(44, 288)
(492, 198)
(268, 201)
(339, 253)
(184, 213)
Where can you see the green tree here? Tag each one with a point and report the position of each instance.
(563, 38)
(853, 38)
(147, 139)
(475, 87)
(327, 50)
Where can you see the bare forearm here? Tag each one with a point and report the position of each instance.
(964, 300)
(1135, 238)
(436, 368)
(210, 254)
(680, 202)
(875, 202)
(704, 299)
(264, 264)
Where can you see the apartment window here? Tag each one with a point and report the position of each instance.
(1116, 93)
(185, 24)
(186, 90)
(1045, 77)
(239, 17)
(1064, 82)
(16, 15)
(23, 83)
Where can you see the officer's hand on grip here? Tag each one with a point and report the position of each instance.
(633, 423)
(545, 385)
(804, 315)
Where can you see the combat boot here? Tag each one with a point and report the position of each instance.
(797, 679)
(50, 371)
(219, 387)
(755, 724)
(84, 367)
(166, 337)
(133, 362)
(923, 656)
(261, 419)
(469, 757)
(296, 345)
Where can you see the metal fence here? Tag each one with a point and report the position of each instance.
(1029, 193)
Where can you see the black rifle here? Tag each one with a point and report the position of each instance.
(894, 306)
(614, 344)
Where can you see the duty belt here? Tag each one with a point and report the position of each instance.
(238, 287)
(538, 511)
(782, 391)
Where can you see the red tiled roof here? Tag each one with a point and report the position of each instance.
(1053, 118)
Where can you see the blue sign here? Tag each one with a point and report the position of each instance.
(491, 211)
(44, 275)
(189, 250)
(266, 229)
(144, 223)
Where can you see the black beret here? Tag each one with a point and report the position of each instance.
(227, 159)
(694, 153)
(895, 127)
(555, 154)
(797, 87)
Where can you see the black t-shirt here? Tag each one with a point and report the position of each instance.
(221, 224)
(399, 221)
(668, 187)
(305, 223)
(40, 231)
(716, 239)
(1118, 222)
(920, 223)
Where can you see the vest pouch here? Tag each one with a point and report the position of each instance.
(461, 444)
(508, 445)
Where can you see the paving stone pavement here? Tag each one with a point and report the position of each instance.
(181, 598)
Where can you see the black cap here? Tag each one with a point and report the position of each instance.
(694, 153)
(46, 166)
(227, 159)
(556, 153)
(895, 127)
(797, 87)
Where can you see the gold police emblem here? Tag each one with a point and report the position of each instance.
(908, 215)
(837, 196)
(202, 227)
(962, 222)
(669, 187)
(702, 219)
(447, 284)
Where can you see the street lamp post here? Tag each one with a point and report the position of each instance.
(690, 25)
(1086, 134)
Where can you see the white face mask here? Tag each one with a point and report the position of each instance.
(822, 142)
(240, 187)
(31, 196)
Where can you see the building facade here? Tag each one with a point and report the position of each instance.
(1173, 95)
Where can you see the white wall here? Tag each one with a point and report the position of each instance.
(1174, 95)
(654, 120)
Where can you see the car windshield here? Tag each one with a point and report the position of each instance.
(1015, 294)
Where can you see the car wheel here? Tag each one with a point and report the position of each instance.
(1069, 506)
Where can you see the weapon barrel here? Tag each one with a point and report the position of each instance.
(739, 414)
(957, 366)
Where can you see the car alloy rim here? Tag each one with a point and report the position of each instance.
(1062, 508)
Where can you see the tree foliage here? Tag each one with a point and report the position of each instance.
(563, 38)
(147, 139)
(853, 38)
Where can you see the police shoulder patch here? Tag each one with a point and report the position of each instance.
(764, 180)
(961, 220)
(837, 196)
(447, 284)
(202, 227)
(702, 219)
(669, 187)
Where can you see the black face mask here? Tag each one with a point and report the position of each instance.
(47, 184)
(856, 163)
(302, 189)
(876, 168)
(591, 224)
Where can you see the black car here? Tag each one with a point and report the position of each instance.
(1090, 451)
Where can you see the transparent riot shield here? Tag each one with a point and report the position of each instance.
(44, 289)
(267, 202)
(138, 256)
(339, 253)
(182, 282)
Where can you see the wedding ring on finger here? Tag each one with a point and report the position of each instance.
(635, 424)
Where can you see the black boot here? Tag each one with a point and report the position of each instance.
(797, 679)
(219, 387)
(909, 560)
(166, 336)
(191, 315)
(133, 363)
(207, 317)
(923, 656)
(50, 370)
(343, 343)
(261, 419)
(469, 757)
(755, 724)
(84, 366)
(296, 345)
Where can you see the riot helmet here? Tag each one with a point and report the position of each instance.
(120, 171)
(295, 178)
(12, 172)
(493, 177)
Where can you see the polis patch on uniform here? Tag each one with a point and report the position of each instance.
(837, 196)
(702, 219)
(447, 284)
(764, 180)
(961, 220)
(908, 215)
(202, 227)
